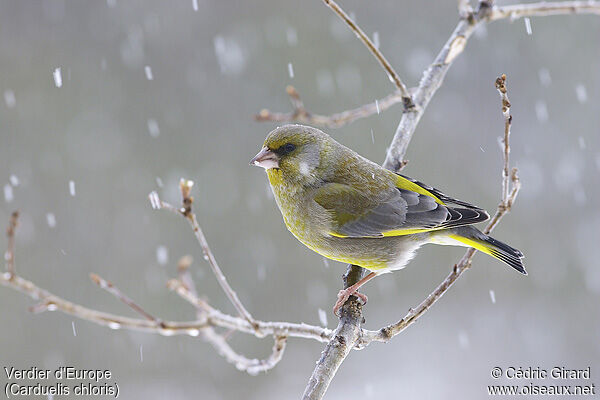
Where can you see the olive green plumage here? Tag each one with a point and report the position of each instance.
(349, 209)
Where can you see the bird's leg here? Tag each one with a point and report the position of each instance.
(344, 294)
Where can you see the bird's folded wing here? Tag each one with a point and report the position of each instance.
(408, 208)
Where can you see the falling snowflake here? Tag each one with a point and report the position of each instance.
(162, 255)
(323, 317)
(57, 77)
(51, 220)
(148, 72)
(9, 98)
(153, 128)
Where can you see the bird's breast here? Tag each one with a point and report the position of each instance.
(304, 218)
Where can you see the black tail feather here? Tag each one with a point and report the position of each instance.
(504, 252)
(497, 249)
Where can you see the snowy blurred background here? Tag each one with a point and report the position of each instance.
(125, 97)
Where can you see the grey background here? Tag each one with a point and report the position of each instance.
(212, 69)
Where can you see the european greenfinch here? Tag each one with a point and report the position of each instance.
(352, 210)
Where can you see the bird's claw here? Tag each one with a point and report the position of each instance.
(343, 296)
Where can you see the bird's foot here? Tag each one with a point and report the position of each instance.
(343, 296)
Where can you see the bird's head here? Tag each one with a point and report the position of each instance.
(298, 151)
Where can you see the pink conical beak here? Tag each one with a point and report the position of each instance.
(265, 159)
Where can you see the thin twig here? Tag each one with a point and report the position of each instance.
(544, 9)
(217, 318)
(183, 271)
(9, 256)
(436, 72)
(332, 121)
(187, 200)
(300, 114)
(219, 342)
(252, 366)
(112, 289)
(432, 79)
(297, 103)
(188, 286)
(50, 302)
(188, 293)
(501, 87)
(394, 78)
(185, 287)
(464, 9)
(208, 317)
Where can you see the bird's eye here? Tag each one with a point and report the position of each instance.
(288, 148)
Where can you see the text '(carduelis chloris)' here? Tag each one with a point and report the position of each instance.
(350, 209)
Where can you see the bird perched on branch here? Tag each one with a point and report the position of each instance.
(350, 209)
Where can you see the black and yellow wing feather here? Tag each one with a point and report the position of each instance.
(406, 208)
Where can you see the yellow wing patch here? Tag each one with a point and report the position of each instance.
(402, 232)
(403, 183)
(395, 232)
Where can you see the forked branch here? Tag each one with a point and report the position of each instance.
(302, 115)
(186, 210)
(392, 74)
(469, 19)
(208, 319)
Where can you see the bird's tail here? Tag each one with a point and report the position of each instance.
(472, 237)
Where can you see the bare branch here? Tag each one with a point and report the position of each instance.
(332, 121)
(394, 78)
(186, 211)
(185, 287)
(188, 293)
(342, 342)
(112, 289)
(217, 318)
(9, 256)
(295, 99)
(213, 318)
(251, 366)
(434, 75)
(51, 302)
(188, 286)
(300, 114)
(219, 342)
(464, 8)
(208, 317)
(183, 271)
(208, 254)
(501, 87)
(505, 205)
(432, 79)
(543, 9)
